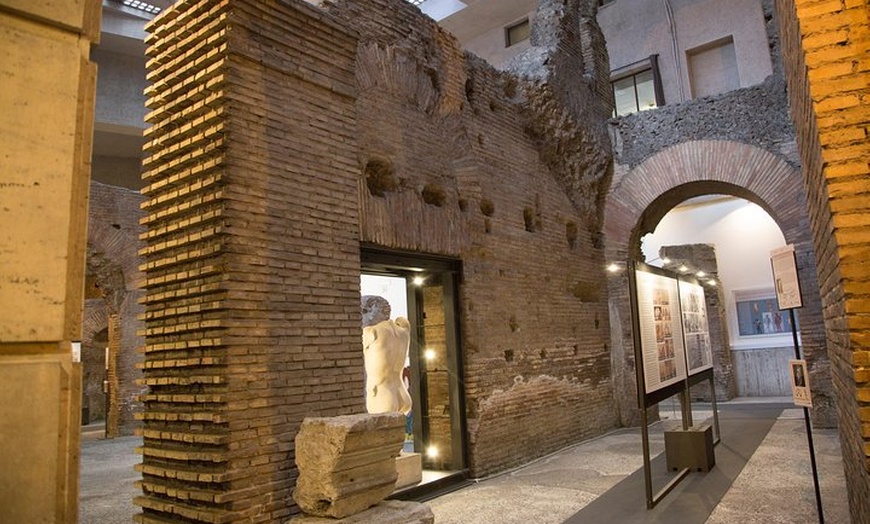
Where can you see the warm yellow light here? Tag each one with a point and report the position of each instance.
(418, 281)
(432, 452)
(613, 267)
(683, 269)
(666, 260)
(700, 274)
(711, 282)
(429, 354)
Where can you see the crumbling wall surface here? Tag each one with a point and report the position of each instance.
(458, 159)
(566, 99)
(113, 270)
(756, 116)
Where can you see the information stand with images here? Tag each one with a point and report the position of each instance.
(788, 297)
(673, 352)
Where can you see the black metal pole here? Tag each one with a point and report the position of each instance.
(797, 355)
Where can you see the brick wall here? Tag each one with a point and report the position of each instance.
(277, 144)
(459, 159)
(252, 258)
(113, 272)
(825, 49)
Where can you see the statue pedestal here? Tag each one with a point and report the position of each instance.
(409, 466)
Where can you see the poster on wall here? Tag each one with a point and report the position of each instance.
(760, 315)
(699, 354)
(661, 334)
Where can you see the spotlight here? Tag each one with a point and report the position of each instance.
(418, 281)
(666, 260)
(682, 269)
(432, 452)
(700, 274)
(613, 267)
(429, 354)
(712, 282)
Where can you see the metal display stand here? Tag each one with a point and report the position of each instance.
(649, 399)
(788, 296)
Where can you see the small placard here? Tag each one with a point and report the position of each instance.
(785, 277)
(800, 383)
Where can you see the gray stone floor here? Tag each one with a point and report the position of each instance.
(774, 487)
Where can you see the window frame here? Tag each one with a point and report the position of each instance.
(631, 71)
(507, 32)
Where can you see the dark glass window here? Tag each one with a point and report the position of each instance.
(517, 33)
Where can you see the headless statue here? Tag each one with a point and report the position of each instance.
(385, 349)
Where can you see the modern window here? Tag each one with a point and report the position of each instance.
(713, 68)
(519, 32)
(637, 87)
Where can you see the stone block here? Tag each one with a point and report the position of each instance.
(347, 463)
(409, 467)
(387, 512)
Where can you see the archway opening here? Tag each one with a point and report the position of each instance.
(725, 241)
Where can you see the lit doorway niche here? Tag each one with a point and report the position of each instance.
(424, 290)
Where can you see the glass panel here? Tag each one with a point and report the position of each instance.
(646, 92)
(518, 33)
(435, 386)
(426, 298)
(624, 97)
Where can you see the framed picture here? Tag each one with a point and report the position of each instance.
(758, 313)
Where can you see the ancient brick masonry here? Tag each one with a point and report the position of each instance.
(826, 62)
(461, 163)
(252, 262)
(283, 135)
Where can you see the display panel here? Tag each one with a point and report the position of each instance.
(699, 354)
(661, 332)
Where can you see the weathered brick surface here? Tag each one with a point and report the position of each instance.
(533, 306)
(113, 274)
(825, 49)
(252, 258)
(281, 141)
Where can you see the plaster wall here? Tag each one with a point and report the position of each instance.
(692, 24)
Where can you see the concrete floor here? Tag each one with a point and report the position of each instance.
(775, 486)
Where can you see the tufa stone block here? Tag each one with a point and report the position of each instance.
(348, 463)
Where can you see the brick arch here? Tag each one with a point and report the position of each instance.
(640, 198)
(703, 167)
